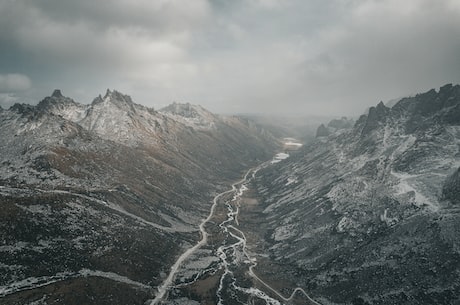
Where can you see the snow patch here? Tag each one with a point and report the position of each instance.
(112, 276)
(33, 282)
(283, 232)
(36, 282)
(406, 186)
(345, 224)
(291, 180)
(279, 157)
(390, 221)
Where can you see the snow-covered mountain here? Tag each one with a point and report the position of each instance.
(191, 115)
(101, 198)
(113, 117)
(370, 215)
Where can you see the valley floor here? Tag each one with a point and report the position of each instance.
(229, 265)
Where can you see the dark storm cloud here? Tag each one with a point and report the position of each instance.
(337, 56)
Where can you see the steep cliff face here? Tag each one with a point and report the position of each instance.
(370, 215)
(101, 198)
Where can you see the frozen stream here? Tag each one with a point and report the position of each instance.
(225, 257)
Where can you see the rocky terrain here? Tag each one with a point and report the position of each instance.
(110, 203)
(369, 214)
(98, 200)
(333, 126)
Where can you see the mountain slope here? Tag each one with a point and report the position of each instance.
(191, 115)
(370, 215)
(101, 198)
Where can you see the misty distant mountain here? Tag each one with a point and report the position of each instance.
(369, 214)
(301, 127)
(98, 200)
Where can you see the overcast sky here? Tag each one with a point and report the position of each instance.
(230, 56)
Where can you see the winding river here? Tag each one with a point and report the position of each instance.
(235, 264)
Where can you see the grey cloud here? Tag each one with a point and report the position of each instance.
(14, 83)
(111, 42)
(297, 56)
(6, 100)
(155, 17)
(387, 50)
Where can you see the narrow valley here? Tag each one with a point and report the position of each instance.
(116, 203)
(228, 272)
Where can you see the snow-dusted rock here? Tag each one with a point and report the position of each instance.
(377, 201)
(97, 200)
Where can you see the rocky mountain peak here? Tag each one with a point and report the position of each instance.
(115, 99)
(57, 93)
(342, 123)
(333, 126)
(117, 96)
(429, 103)
(57, 104)
(186, 110)
(447, 88)
(55, 96)
(443, 105)
(379, 112)
(191, 115)
(322, 131)
(376, 117)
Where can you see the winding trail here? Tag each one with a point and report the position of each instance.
(253, 275)
(116, 208)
